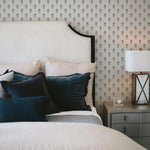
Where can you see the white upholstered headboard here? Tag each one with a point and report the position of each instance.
(22, 42)
(28, 41)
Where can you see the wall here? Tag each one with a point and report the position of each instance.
(117, 25)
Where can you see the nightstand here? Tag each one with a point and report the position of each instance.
(132, 120)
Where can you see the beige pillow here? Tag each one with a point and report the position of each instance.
(58, 68)
(26, 68)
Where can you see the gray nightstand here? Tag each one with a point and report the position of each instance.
(132, 120)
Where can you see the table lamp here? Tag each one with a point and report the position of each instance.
(138, 62)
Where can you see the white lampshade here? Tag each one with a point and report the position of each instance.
(137, 61)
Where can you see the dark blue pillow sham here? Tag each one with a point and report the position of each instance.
(20, 77)
(68, 92)
(25, 109)
(34, 86)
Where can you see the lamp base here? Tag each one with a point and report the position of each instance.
(141, 88)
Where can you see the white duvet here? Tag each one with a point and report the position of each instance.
(62, 136)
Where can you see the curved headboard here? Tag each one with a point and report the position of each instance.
(28, 41)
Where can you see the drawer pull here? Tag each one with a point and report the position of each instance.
(124, 130)
(125, 118)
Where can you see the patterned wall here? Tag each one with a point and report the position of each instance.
(117, 25)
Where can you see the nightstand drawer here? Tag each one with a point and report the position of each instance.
(132, 130)
(145, 129)
(145, 141)
(146, 117)
(126, 118)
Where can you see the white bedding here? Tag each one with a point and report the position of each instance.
(92, 112)
(62, 136)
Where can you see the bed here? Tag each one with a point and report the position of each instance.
(65, 56)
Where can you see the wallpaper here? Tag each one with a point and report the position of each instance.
(118, 25)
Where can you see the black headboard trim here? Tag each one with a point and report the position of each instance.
(92, 55)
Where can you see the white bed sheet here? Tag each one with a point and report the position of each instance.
(93, 112)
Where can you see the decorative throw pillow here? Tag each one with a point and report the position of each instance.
(25, 109)
(34, 86)
(26, 68)
(68, 91)
(20, 77)
(60, 68)
(5, 77)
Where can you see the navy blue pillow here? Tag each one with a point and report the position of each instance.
(25, 109)
(68, 92)
(20, 77)
(34, 86)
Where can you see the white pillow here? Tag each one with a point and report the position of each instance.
(26, 68)
(59, 68)
(6, 77)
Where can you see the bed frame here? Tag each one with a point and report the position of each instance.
(22, 42)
